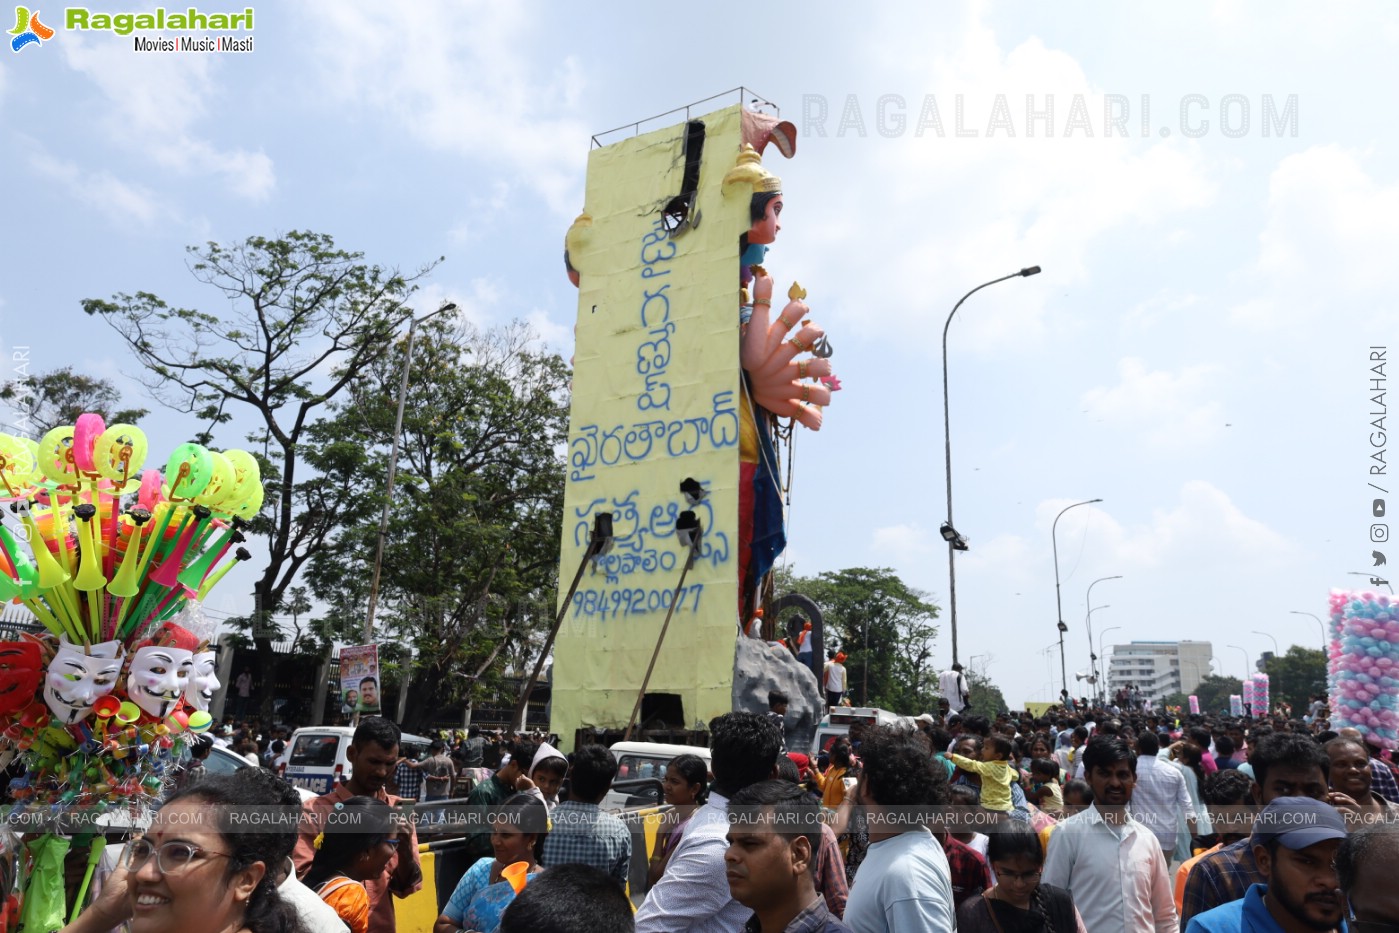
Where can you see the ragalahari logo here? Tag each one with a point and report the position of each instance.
(28, 30)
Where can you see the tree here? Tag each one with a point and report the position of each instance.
(299, 319)
(298, 603)
(986, 698)
(471, 556)
(45, 401)
(873, 606)
(1213, 693)
(1295, 676)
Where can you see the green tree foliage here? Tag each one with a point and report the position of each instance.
(1213, 693)
(296, 319)
(43, 401)
(471, 555)
(1295, 676)
(986, 698)
(863, 606)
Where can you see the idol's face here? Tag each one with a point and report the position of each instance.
(77, 678)
(158, 678)
(203, 680)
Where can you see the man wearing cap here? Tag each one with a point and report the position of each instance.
(1294, 843)
(835, 678)
(1284, 765)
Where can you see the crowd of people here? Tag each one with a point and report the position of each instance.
(1098, 821)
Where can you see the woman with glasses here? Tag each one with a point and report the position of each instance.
(520, 826)
(1018, 903)
(202, 868)
(360, 837)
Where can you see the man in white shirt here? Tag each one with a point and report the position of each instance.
(1112, 864)
(693, 894)
(904, 885)
(952, 684)
(1161, 799)
(834, 678)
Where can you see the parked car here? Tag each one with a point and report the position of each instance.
(226, 761)
(316, 756)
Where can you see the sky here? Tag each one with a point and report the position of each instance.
(1211, 189)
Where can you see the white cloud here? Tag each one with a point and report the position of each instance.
(1000, 202)
(1329, 221)
(100, 191)
(481, 213)
(903, 543)
(1166, 307)
(153, 104)
(1203, 529)
(555, 336)
(1169, 409)
(472, 90)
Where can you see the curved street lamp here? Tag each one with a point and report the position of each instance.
(1375, 579)
(1093, 668)
(1245, 654)
(1059, 605)
(1276, 652)
(1320, 624)
(1093, 658)
(955, 541)
(393, 469)
(1102, 635)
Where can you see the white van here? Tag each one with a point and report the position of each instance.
(639, 763)
(838, 721)
(316, 760)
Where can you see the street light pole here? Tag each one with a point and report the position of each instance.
(393, 470)
(1093, 658)
(1054, 537)
(1276, 652)
(1101, 636)
(1375, 580)
(950, 532)
(1093, 667)
(1320, 624)
(1245, 654)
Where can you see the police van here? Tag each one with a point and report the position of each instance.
(316, 756)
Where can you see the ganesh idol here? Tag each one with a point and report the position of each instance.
(776, 383)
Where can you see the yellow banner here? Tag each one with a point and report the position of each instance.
(656, 400)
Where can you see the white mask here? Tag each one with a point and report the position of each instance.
(157, 678)
(203, 681)
(77, 678)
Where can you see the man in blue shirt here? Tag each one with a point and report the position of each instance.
(1294, 843)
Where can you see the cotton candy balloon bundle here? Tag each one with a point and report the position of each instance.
(1367, 672)
(1246, 697)
(1260, 695)
(113, 560)
(1194, 704)
(1335, 625)
(1236, 705)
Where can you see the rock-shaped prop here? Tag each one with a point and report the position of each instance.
(760, 668)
